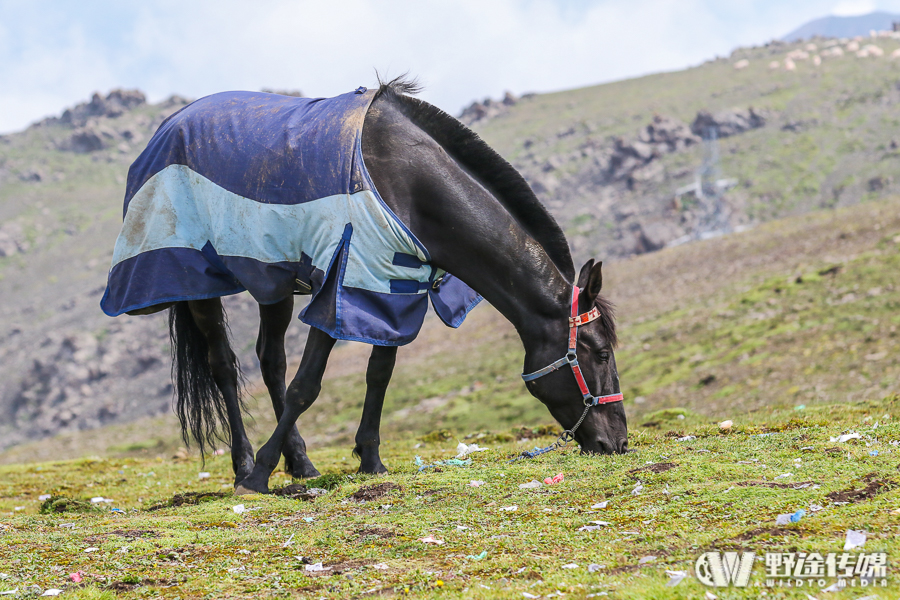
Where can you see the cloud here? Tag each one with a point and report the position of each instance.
(55, 54)
(850, 8)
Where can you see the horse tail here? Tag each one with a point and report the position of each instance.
(199, 403)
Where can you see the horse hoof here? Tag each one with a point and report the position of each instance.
(240, 490)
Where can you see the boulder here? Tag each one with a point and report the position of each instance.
(726, 123)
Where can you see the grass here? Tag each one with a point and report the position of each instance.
(722, 493)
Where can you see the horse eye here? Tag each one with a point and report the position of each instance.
(604, 356)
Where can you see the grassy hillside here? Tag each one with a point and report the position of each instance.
(666, 503)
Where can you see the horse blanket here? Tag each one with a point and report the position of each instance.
(268, 193)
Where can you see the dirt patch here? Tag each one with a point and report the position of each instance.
(375, 532)
(770, 531)
(341, 567)
(655, 467)
(874, 486)
(833, 450)
(126, 585)
(294, 491)
(128, 534)
(772, 484)
(189, 499)
(367, 493)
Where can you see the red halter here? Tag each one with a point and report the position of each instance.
(571, 358)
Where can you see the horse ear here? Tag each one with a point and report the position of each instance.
(594, 281)
(585, 274)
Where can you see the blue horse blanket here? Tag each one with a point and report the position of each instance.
(264, 193)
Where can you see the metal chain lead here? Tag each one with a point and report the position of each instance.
(569, 434)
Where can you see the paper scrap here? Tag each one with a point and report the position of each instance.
(463, 450)
(52, 592)
(431, 540)
(570, 566)
(91, 549)
(476, 483)
(637, 489)
(203, 475)
(43, 497)
(531, 485)
(687, 438)
(601, 504)
(847, 436)
(316, 567)
(594, 567)
(512, 508)
(238, 509)
(590, 528)
(675, 577)
(855, 539)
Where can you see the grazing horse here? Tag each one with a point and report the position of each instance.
(444, 203)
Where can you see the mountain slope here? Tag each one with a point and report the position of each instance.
(834, 26)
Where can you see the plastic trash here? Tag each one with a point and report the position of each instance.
(77, 576)
(512, 508)
(101, 499)
(594, 567)
(91, 549)
(52, 592)
(855, 539)
(601, 523)
(590, 528)
(873, 453)
(555, 479)
(10, 592)
(527, 595)
(316, 567)
(309, 519)
(570, 566)
(710, 596)
(531, 485)
(786, 518)
(478, 556)
(203, 475)
(784, 476)
(646, 559)
(288, 541)
(463, 450)
(726, 425)
(43, 497)
(687, 438)
(431, 540)
(675, 577)
(637, 489)
(239, 509)
(846, 437)
(476, 483)
(603, 504)
(380, 566)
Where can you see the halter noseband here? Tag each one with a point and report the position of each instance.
(571, 359)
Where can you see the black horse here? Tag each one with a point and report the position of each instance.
(481, 222)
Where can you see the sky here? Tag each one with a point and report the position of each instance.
(54, 54)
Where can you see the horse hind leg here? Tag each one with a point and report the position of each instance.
(274, 320)
(220, 401)
(368, 440)
(300, 395)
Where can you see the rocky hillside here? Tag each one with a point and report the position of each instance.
(627, 168)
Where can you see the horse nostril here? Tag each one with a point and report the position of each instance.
(622, 446)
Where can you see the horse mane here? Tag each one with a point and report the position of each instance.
(607, 320)
(502, 178)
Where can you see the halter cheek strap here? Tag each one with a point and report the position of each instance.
(571, 359)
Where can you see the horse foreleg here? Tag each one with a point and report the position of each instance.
(378, 376)
(273, 322)
(210, 319)
(302, 392)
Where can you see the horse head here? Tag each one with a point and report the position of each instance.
(603, 429)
